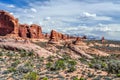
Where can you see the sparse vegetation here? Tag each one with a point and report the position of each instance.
(24, 65)
(110, 64)
(61, 64)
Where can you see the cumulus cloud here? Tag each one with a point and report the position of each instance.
(93, 16)
(33, 9)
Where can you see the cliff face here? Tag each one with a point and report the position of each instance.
(8, 24)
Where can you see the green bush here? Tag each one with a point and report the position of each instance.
(31, 76)
(11, 69)
(49, 65)
(60, 64)
(118, 75)
(15, 63)
(71, 69)
(45, 78)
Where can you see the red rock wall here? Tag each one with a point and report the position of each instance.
(8, 24)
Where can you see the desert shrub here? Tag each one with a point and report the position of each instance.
(110, 64)
(114, 67)
(64, 63)
(50, 58)
(24, 69)
(15, 63)
(71, 65)
(66, 57)
(10, 54)
(118, 75)
(76, 78)
(23, 53)
(82, 59)
(59, 64)
(31, 76)
(1, 54)
(49, 65)
(82, 78)
(71, 69)
(45, 78)
(30, 53)
(11, 69)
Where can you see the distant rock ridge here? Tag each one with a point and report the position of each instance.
(9, 25)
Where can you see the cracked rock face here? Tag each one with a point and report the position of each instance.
(8, 24)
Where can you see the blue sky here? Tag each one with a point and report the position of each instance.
(89, 17)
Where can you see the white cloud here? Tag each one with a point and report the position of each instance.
(93, 16)
(33, 9)
(11, 6)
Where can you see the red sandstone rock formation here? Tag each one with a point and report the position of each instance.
(64, 37)
(103, 39)
(55, 36)
(77, 41)
(35, 31)
(84, 37)
(47, 35)
(8, 24)
(23, 31)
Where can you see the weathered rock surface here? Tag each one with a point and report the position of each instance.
(77, 41)
(35, 31)
(23, 30)
(8, 24)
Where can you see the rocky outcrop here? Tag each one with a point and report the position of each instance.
(35, 31)
(80, 52)
(56, 36)
(77, 41)
(8, 24)
(47, 35)
(23, 31)
(103, 39)
(53, 37)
